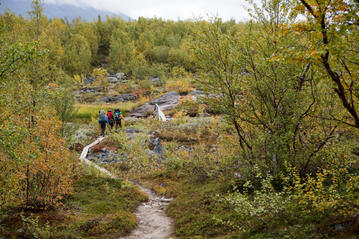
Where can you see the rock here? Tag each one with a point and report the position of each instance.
(132, 131)
(154, 78)
(170, 98)
(165, 102)
(121, 76)
(142, 111)
(117, 78)
(119, 98)
(244, 72)
(106, 156)
(88, 80)
(196, 92)
(112, 80)
(155, 145)
(197, 95)
(185, 148)
(90, 90)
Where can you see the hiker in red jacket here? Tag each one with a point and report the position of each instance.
(110, 118)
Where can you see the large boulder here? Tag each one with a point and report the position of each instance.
(142, 111)
(170, 98)
(119, 98)
(166, 102)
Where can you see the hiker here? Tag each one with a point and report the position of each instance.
(110, 118)
(118, 117)
(102, 120)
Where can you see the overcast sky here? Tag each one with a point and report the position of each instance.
(169, 9)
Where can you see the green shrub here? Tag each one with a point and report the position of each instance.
(303, 209)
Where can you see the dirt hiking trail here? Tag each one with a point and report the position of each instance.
(153, 223)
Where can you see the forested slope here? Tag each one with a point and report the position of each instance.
(262, 136)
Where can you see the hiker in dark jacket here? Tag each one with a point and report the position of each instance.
(118, 117)
(102, 120)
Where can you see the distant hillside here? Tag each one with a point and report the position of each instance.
(58, 10)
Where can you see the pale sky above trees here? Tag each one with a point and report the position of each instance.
(169, 9)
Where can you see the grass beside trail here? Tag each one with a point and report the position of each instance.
(196, 208)
(87, 112)
(100, 207)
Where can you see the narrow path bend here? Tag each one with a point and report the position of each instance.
(153, 223)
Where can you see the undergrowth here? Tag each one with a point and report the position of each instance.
(217, 196)
(100, 207)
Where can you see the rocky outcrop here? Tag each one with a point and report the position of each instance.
(142, 111)
(166, 102)
(119, 98)
(105, 156)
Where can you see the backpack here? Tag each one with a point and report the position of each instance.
(110, 117)
(102, 117)
(117, 115)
